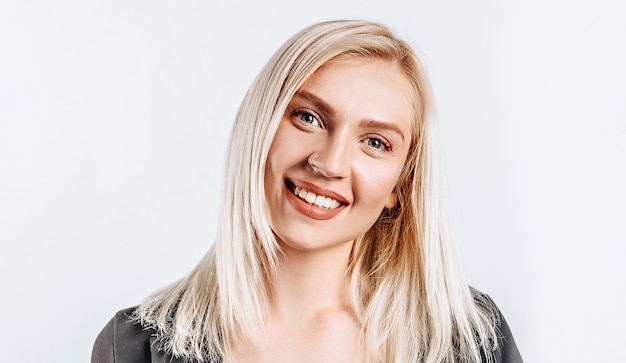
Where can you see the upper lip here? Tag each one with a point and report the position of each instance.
(318, 190)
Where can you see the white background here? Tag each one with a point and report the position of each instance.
(114, 117)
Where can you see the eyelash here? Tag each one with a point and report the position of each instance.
(383, 143)
(298, 113)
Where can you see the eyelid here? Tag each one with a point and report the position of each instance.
(387, 147)
(299, 111)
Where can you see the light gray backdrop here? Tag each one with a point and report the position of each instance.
(114, 117)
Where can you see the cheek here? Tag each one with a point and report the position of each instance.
(377, 181)
(290, 147)
(277, 148)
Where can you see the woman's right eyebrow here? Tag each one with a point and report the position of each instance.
(316, 101)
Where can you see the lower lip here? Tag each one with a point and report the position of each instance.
(311, 210)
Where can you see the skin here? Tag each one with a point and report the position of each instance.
(353, 119)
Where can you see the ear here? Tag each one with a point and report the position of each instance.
(392, 200)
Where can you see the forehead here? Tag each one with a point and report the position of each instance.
(383, 69)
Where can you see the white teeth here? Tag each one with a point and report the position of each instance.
(310, 197)
(318, 200)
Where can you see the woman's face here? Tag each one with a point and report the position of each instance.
(338, 153)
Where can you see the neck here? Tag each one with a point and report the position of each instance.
(311, 282)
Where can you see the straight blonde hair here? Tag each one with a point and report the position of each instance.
(407, 288)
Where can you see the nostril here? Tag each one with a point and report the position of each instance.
(314, 164)
(331, 163)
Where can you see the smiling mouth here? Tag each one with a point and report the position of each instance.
(314, 199)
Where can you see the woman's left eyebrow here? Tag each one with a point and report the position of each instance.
(375, 124)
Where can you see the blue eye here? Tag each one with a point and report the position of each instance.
(375, 143)
(307, 117)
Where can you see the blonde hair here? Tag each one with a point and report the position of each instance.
(407, 289)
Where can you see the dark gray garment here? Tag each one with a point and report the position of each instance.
(125, 341)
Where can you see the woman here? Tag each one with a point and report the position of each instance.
(332, 244)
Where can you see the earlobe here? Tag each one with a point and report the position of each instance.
(392, 200)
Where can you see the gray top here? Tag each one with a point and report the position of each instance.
(125, 341)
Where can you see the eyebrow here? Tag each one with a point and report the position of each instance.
(316, 101)
(329, 110)
(375, 124)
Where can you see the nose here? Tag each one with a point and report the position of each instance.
(332, 160)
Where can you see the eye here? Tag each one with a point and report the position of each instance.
(307, 117)
(378, 144)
